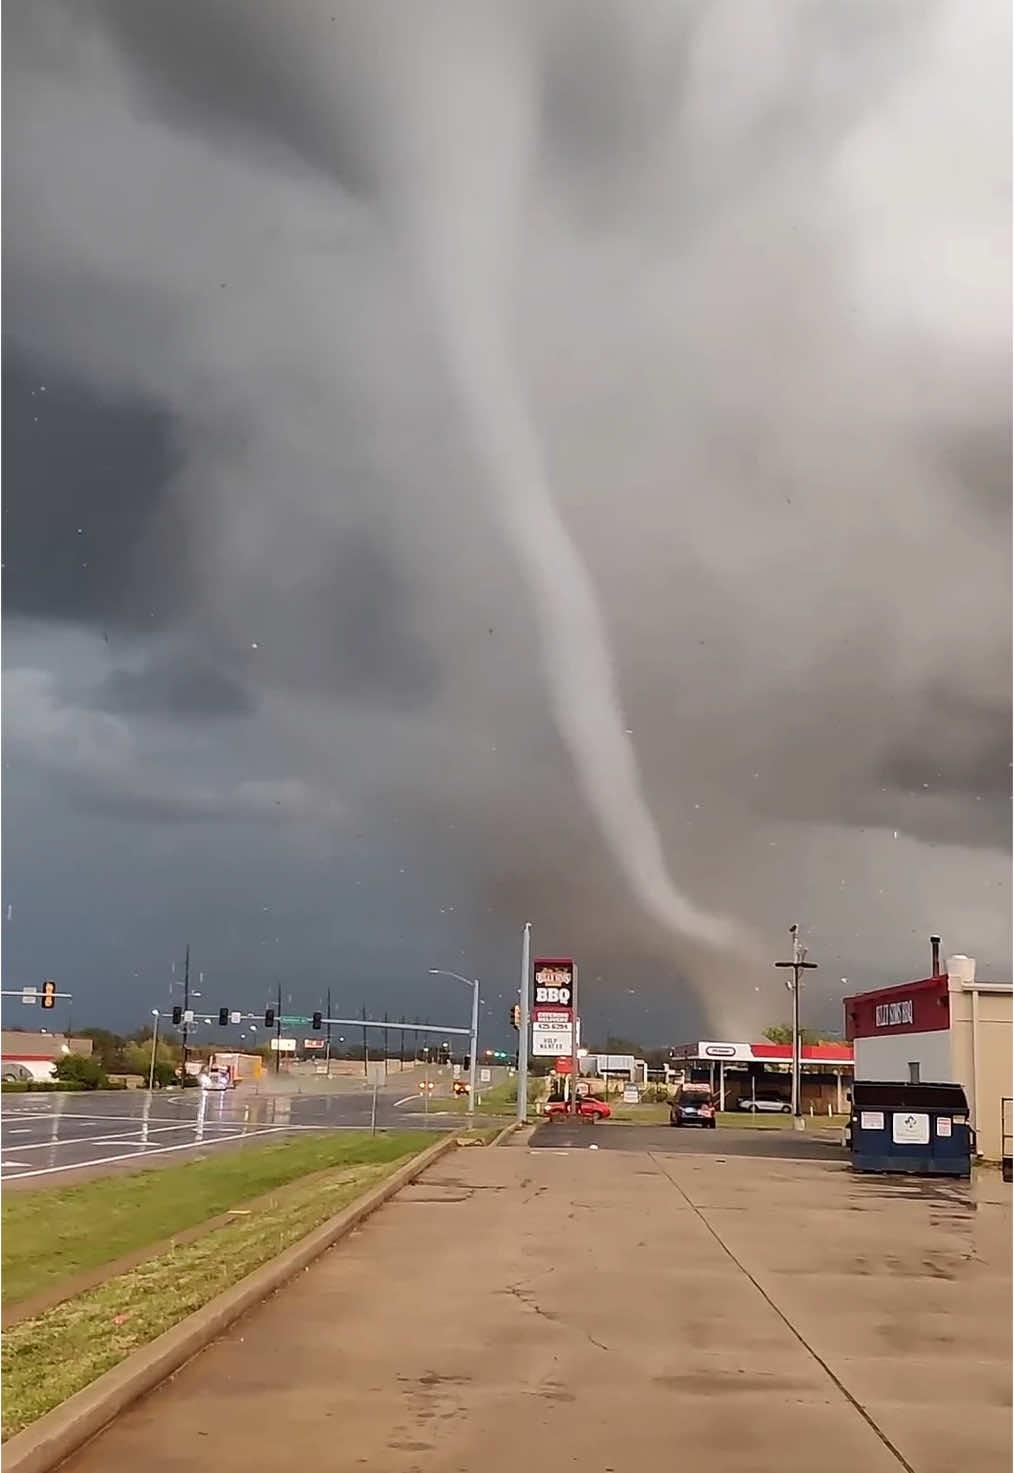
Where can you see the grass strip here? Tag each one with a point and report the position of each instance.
(54, 1233)
(48, 1359)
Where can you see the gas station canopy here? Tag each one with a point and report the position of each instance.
(831, 1055)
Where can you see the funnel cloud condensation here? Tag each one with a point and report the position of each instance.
(460, 126)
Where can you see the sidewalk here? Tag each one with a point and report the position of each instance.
(615, 1311)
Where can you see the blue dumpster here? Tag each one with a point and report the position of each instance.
(917, 1128)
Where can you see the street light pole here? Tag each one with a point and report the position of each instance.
(523, 994)
(798, 964)
(473, 1040)
(186, 1024)
(473, 1049)
(154, 1046)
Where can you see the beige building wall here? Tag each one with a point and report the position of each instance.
(41, 1045)
(982, 1051)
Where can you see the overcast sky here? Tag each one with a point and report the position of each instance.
(472, 463)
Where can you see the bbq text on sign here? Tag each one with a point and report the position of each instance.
(894, 1014)
(554, 982)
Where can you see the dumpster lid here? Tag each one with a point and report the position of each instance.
(880, 1094)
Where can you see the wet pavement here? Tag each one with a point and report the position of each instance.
(47, 1137)
(617, 1310)
(820, 1144)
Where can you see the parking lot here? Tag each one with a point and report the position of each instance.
(45, 1137)
(815, 1144)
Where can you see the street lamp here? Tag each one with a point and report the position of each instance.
(473, 1045)
(154, 1046)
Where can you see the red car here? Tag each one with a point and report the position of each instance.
(588, 1108)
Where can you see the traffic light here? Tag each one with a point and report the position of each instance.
(177, 1016)
(49, 994)
(516, 1015)
(318, 1019)
(223, 1017)
(269, 1017)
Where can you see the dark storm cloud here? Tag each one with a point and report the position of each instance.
(179, 685)
(365, 650)
(757, 261)
(962, 747)
(92, 534)
(232, 69)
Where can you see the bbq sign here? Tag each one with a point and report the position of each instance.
(554, 982)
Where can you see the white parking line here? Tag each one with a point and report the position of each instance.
(101, 1119)
(158, 1151)
(404, 1101)
(95, 1140)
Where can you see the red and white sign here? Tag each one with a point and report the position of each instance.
(309, 1044)
(554, 982)
(552, 1007)
(913, 1007)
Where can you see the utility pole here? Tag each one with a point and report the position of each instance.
(523, 995)
(386, 1019)
(366, 1051)
(401, 1054)
(798, 964)
(329, 1033)
(278, 1032)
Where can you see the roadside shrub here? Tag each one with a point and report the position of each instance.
(77, 1069)
(655, 1094)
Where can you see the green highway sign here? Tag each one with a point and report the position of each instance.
(288, 1018)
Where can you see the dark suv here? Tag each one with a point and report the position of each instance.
(693, 1107)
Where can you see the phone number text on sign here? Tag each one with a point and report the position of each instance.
(551, 1041)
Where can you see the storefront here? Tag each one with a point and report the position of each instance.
(949, 1028)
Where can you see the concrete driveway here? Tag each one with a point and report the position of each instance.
(612, 1311)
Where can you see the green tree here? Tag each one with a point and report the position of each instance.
(78, 1069)
(782, 1033)
(107, 1047)
(137, 1057)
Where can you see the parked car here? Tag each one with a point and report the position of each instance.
(767, 1104)
(693, 1107)
(588, 1108)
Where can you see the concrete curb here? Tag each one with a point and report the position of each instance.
(60, 1432)
(507, 1131)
